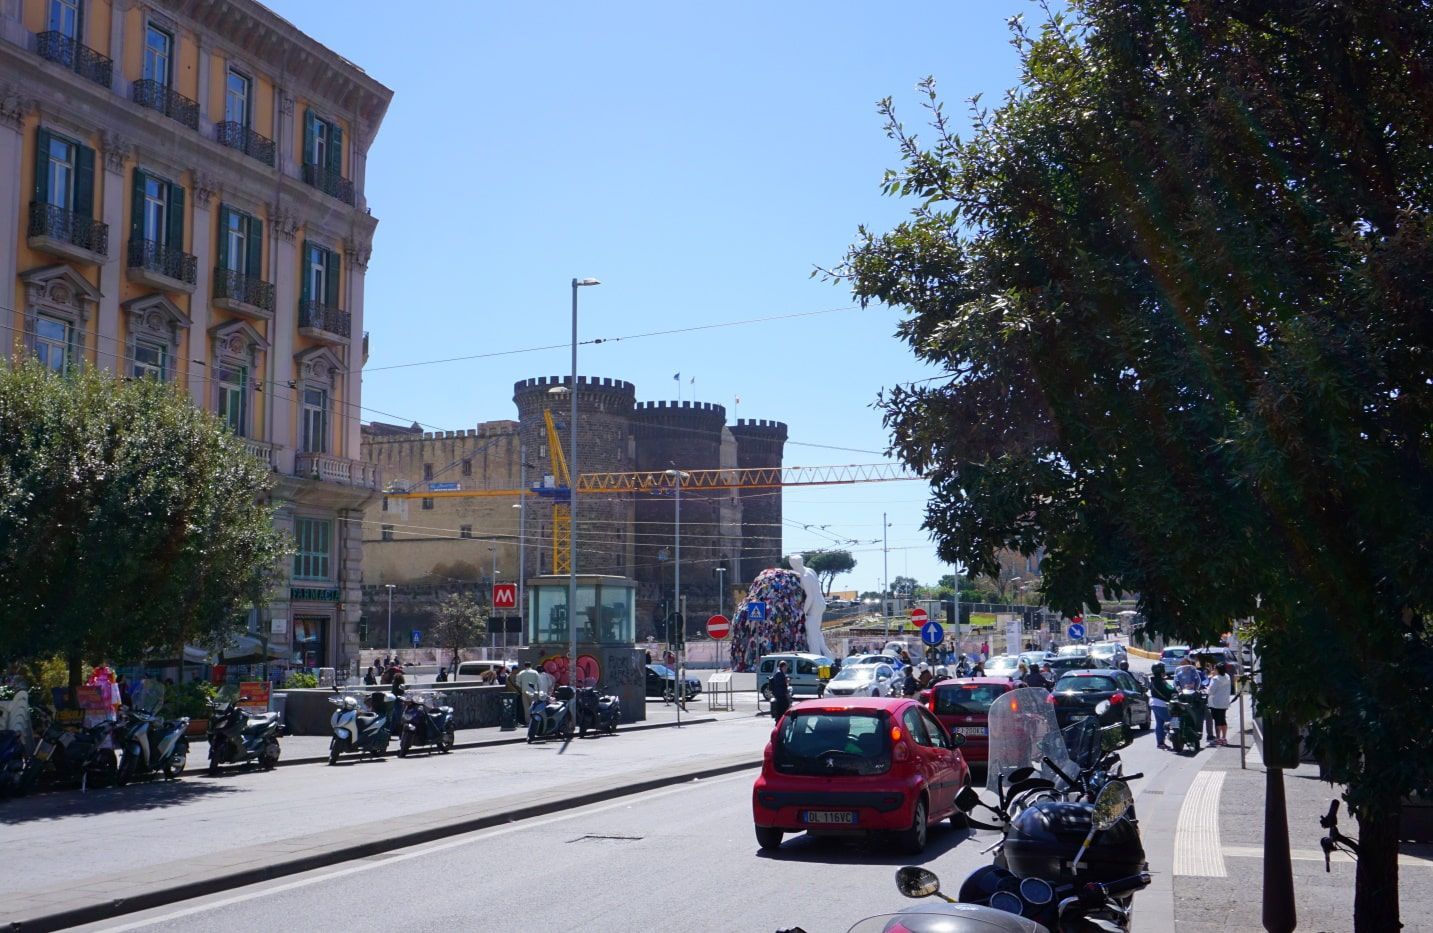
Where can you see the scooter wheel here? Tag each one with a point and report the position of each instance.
(405, 742)
(333, 752)
(449, 740)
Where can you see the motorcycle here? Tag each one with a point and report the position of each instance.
(356, 729)
(1186, 718)
(12, 763)
(149, 743)
(235, 737)
(72, 756)
(551, 715)
(424, 722)
(596, 711)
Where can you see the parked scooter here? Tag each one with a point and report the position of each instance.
(425, 722)
(235, 737)
(78, 757)
(148, 743)
(596, 711)
(551, 715)
(356, 729)
(1186, 719)
(12, 763)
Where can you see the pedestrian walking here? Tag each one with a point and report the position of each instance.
(1160, 693)
(984, 650)
(780, 686)
(370, 678)
(1221, 694)
(527, 684)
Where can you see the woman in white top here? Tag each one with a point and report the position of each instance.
(1221, 694)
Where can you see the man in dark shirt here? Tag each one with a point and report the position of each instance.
(780, 686)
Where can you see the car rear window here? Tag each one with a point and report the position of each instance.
(826, 742)
(1086, 685)
(966, 699)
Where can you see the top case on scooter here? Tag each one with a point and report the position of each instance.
(1043, 841)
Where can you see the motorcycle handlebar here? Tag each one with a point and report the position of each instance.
(1332, 816)
(1132, 777)
(1122, 886)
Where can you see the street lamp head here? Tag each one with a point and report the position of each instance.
(557, 390)
(677, 474)
(388, 586)
(578, 283)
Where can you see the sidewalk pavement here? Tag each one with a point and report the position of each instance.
(1218, 854)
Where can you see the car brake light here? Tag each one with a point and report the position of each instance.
(901, 753)
(932, 702)
(1117, 699)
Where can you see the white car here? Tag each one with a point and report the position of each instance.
(1074, 651)
(1002, 665)
(863, 680)
(1111, 651)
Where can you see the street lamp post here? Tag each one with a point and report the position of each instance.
(389, 587)
(572, 475)
(885, 575)
(679, 688)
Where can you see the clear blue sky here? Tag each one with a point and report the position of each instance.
(699, 160)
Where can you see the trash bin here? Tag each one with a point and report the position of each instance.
(507, 715)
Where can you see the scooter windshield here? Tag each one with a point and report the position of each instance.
(1023, 733)
(147, 698)
(226, 696)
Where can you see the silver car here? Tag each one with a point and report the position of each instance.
(863, 680)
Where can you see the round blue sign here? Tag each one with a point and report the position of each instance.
(1076, 630)
(932, 633)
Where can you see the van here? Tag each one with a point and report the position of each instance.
(473, 671)
(803, 671)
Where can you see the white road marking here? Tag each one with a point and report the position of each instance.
(468, 839)
(1196, 842)
(1316, 855)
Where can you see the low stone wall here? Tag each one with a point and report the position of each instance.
(308, 712)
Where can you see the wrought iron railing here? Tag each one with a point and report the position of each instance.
(81, 59)
(236, 286)
(85, 232)
(319, 315)
(240, 137)
(329, 182)
(156, 95)
(163, 259)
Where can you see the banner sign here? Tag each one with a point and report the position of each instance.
(313, 594)
(254, 696)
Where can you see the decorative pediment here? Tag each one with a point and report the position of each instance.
(61, 288)
(237, 338)
(155, 316)
(319, 364)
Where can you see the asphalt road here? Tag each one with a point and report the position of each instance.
(682, 858)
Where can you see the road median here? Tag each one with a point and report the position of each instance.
(109, 896)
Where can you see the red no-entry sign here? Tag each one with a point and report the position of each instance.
(718, 626)
(918, 616)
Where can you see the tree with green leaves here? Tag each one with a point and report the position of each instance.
(1178, 281)
(131, 522)
(827, 564)
(459, 622)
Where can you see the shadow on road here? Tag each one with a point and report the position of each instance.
(150, 795)
(838, 850)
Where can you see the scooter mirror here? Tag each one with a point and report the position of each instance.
(967, 799)
(1114, 802)
(913, 881)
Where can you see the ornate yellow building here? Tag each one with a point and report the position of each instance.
(182, 197)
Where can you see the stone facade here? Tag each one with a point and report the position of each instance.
(420, 543)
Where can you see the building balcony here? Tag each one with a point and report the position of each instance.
(163, 267)
(321, 322)
(81, 59)
(243, 294)
(330, 183)
(64, 233)
(240, 137)
(259, 450)
(155, 95)
(340, 470)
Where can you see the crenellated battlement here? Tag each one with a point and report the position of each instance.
(754, 427)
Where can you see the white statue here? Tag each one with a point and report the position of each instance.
(815, 606)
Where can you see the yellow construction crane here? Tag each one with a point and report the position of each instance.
(561, 494)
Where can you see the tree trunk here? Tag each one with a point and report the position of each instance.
(1375, 899)
(76, 678)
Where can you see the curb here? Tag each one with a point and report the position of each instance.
(158, 897)
(515, 740)
(1141, 653)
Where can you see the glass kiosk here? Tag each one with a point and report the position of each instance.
(606, 615)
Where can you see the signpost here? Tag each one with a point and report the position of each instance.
(504, 595)
(254, 696)
(1075, 631)
(932, 633)
(756, 610)
(417, 637)
(444, 487)
(918, 616)
(718, 626)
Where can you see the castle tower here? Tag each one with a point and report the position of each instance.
(604, 445)
(683, 436)
(759, 444)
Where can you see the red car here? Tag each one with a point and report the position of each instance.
(963, 706)
(858, 765)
